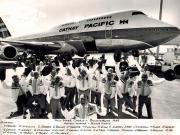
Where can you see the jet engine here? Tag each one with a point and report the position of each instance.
(166, 73)
(8, 52)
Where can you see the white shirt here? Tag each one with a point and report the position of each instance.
(56, 93)
(121, 88)
(96, 81)
(82, 83)
(109, 87)
(36, 86)
(144, 88)
(84, 112)
(23, 83)
(91, 74)
(69, 81)
(48, 79)
(46, 85)
(15, 91)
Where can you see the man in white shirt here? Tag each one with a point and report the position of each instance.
(109, 91)
(18, 94)
(38, 89)
(70, 84)
(96, 88)
(125, 88)
(82, 81)
(144, 91)
(50, 77)
(85, 110)
(56, 92)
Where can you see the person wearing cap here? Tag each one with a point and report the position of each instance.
(109, 91)
(56, 91)
(85, 110)
(144, 91)
(70, 84)
(19, 95)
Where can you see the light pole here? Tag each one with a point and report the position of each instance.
(160, 18)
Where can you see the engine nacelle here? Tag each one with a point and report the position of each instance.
(166, 73)
(8, 52)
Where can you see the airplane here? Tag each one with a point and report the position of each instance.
(109, 33)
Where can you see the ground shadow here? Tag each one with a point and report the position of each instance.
(135, 114)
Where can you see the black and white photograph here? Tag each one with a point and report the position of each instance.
(89, 59)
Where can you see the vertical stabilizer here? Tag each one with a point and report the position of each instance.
(4, 32)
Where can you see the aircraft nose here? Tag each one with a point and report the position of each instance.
(171, 31)
(174, 30)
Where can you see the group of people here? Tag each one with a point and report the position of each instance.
(85, 89)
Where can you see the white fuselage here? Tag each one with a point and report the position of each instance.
(108, 33)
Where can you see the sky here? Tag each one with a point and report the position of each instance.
(24, 17)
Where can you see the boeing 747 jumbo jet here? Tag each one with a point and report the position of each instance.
(113, 32)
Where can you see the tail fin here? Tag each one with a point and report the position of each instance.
(4, 32)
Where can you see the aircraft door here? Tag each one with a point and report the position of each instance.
(108, 32)
(66, 36)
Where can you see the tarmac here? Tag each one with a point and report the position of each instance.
(165, 102)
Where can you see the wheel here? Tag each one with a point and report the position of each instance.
(117, 57)
(135, 53)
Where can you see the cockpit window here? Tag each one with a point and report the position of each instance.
(138, 13)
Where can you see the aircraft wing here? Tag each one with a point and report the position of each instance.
(9, 64)
(9, 49)
(34, 46)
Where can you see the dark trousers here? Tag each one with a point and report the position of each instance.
(128, 102)
(56, 109)
(46, 104)
(147, 101)
(21, 104)
(37, 111)
(41, 99)
(134, 98)
(70, 92)
(96, 97)
(76, 96)
(109, 102)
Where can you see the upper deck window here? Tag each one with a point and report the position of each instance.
(66, 24)
(100, 18)
(138, 13)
